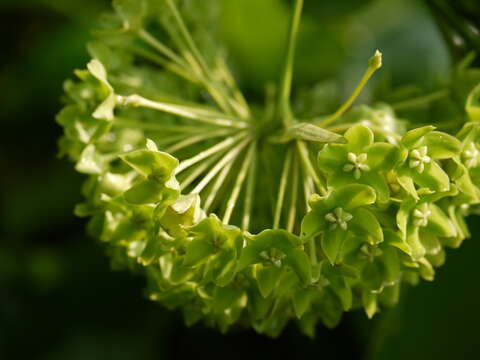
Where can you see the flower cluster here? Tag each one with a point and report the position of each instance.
(381, 203)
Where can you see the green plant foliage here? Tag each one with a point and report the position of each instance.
(243, 215)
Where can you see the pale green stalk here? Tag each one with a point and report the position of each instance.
(161, 48)
(232, 201)
(282, 188)
(421, 100)
(189, 112)
(197, 139)
(213, 191)
(126, 123)
(286, 83)
(373, 65)
(293, 199)
(247, 207)
(228, 142)
(308, 166)
(229, 157)
(199, 170)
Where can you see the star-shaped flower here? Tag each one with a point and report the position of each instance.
(421, 150)
(361, 160)
(340, 215)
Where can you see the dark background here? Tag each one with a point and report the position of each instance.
(58, 297)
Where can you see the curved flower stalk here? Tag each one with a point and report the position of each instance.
(238, 217)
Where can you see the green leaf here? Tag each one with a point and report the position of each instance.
(310, 132)
(394, 239)
(426, 270)
(332, 158)
(151, 252)
(372, 276)
(105, 110)
(332, 244)
(369, 301)
(302, 299)
(287, 243)
(379, 183)
(267, 278)
(441, 145)
(358, 138)
(158, 165)
(365, 224)
(224, 266)
(432, 177)
(184, 212)
(439, 223)
(343, 291)
(351, 196)
(390, 264)
(413, 137)
(90, 162)
(300, 264)
(406, 182)
(198, 251)
(413, 240)
(145, 192)
(382, 156)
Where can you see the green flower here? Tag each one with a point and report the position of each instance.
(415, 219)
(341, 215)
(423, 148)
(361, 160)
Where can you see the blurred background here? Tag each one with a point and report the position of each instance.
(59, 299)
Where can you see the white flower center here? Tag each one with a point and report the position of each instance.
(338, 217)
(418, 159)
(420, 215)
(470, 155)
(357, 164)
